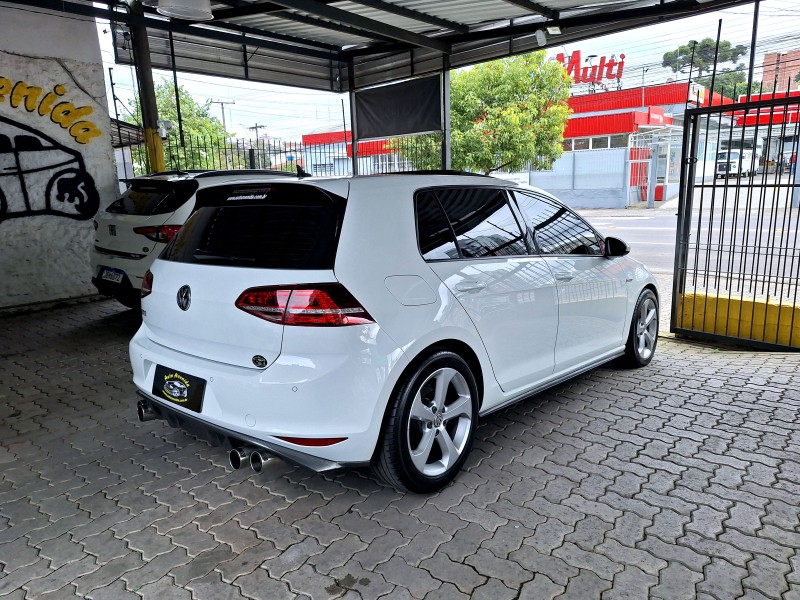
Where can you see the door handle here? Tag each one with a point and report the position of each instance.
(564, 276)
(628, 277)
(470, 286)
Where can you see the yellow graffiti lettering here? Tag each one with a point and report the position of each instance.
(27, 93)
(5, 88)
(66, 113)
(47, 102)
(84, 131)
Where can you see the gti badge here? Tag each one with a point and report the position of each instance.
(184, 297)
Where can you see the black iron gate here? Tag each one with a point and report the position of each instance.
(737, 259)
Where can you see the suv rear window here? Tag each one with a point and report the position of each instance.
(265, 226)
(153, 197)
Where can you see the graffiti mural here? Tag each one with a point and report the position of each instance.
(39, 176)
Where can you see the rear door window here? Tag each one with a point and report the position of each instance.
(266, 226)
(153, 198)
(482, 221)
(436, 239)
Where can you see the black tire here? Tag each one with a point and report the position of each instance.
(643, 335)
(393, 461)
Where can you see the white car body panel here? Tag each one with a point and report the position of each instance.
(526, 329)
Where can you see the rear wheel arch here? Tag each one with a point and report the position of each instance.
(452, 345)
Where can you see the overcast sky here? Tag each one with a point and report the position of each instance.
(288, 113)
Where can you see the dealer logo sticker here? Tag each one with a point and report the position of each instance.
(176, 387)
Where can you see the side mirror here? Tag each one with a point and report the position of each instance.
(615, 247)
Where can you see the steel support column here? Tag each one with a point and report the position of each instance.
(147, 100)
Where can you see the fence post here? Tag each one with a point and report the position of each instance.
(251, 158)
(652, 175)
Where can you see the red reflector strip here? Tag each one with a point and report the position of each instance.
(312, 441)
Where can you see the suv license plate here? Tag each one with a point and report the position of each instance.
(180, 388)
(114, 275)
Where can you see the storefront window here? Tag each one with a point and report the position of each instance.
(580, 144)
(567, 145)
(599, 142)
(619, 141)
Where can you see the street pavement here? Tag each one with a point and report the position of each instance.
(677, 481)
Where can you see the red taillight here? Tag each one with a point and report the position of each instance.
(312, 441)
(147, 284)
(323, 305)
(162, 233)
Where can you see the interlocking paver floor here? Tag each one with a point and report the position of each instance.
(676, 481)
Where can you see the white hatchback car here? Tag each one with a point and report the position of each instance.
(136, 227)
(373, 320)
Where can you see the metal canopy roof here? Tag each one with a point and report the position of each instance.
(344, 45)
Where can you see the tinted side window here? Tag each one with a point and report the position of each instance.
(483, 222)
(556, 229)
(436, 241)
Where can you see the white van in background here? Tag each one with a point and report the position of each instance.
(735, 162)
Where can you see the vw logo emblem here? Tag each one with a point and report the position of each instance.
(184, 297)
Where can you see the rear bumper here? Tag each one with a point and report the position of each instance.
(220, 436)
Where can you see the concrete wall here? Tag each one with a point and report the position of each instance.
(590, 179)
(56, 161)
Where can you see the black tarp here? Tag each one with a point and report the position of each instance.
(413, 106)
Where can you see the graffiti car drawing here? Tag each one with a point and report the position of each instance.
(39, 176)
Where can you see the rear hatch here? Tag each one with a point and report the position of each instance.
(241, 237)
(147, 205)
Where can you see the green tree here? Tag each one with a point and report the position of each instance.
(700, 55)
(507, 114)
(204, 135)
(728, 82)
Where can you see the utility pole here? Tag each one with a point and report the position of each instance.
(144, 74)
(643, 72)
(222, 103)
(256, 127)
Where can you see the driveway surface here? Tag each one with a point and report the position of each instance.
(680, 480)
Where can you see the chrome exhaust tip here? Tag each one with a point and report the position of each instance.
(145, 411)
(258, 459)
(238, 456)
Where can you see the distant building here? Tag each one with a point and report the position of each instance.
(781, 70)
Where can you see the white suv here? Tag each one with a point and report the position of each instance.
(136, 227)
(373, 320)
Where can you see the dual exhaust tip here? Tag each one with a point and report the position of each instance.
(238, 457)
(257, 457)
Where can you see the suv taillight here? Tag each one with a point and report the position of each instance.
(147, 284)
(162, 233)
(326, 305)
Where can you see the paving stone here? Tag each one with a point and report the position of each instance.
(631, 556)
(113, 591)
(60, 577)
(108, 573)
(630, 584)
(307, 581)
(588, 533)
(722, 579)
(492, 567)
(325, 533)
(211, 587)
(556, 569)
(337, 554)
(423, 546)
(465, 542)
(203, 563)
(540, 588)
(292, 558)
(368, 584)
(599, 564)
(149, 543)
(380, 550)
(164, 589)
(155, 569)
(767, 576)
(276, 532)
(417, 581)
(16, 554)
(235, 536)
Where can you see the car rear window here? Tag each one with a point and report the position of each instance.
(153, 198)
(266, 226)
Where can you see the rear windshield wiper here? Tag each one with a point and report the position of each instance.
(203, 255)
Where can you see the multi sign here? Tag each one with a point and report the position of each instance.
(608, 69)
